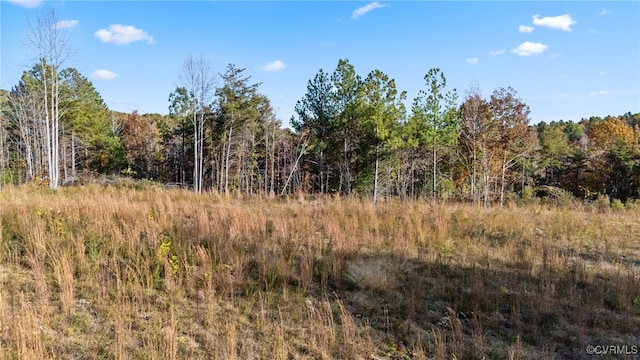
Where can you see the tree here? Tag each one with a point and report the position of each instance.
(241, 111)
(199, 80)
(555, 150)
(85, 123)
(514, 138)
(5, 174)
(613, 153)
(24, 112)
(347, 96)
(270, 129)
(181, 107)
(140, 139)
(316, 114)
(475, 133)
(50, 42)
(622, 171)
(435, 116)
(383, 112)
(607, 133)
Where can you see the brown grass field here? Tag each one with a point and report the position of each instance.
(119, 272)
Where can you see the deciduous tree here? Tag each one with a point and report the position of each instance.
(514, 138)
(199, 80)
(475, 136)
(51, 44)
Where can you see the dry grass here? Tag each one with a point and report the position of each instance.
(122, 273)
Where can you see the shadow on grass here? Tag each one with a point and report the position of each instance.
(492, 311)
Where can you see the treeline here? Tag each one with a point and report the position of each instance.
(352, 135)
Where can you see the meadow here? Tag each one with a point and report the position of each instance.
(142, 272)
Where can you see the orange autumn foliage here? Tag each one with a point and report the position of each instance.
(607, 133)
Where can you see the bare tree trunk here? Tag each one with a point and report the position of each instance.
(3, 151)
(51, 43)
(485, 176)
(503, 171)
(434, 189)
(201, 152)
(226, 170)
(198, 79)
(473, 174)
(196, 143)
(294, 168)
(73, 156)
(522, 186)
(273, 168)
(220, 166)
(64, 162)
(412, 174)
(56, 132)
(375, 176)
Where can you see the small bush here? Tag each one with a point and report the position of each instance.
(602, 203)
(616, 204)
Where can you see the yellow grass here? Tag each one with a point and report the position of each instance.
(102, 272)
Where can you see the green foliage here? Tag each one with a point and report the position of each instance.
(616, 204)
(527, 193)
(382, 107)
(238, 100)
(621, 171)
(167, 257)
(350, 134)
(8, 176)
(88, 120)
(316, 109)
(180, 103)
(435, 122)
(348, 121)
(434, 112)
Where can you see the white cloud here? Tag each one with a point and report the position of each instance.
(365, 9)
(26, 3)
(123, 34)
(66, 24)
(597, 93)
(473, 60)
(528, 48)
(103, 75)
(604, 12)
(602, 73)
(562, 22)
(497, 52)
(273, 66)
(525, 29)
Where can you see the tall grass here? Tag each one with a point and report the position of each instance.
(116, 272)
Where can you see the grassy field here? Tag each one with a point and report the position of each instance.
(101, 272)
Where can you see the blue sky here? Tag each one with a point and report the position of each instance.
(566, 60)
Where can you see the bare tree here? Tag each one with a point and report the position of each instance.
(199, 80)
(475, 130)
(51, 44)
(25, 113)
(4, 140)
